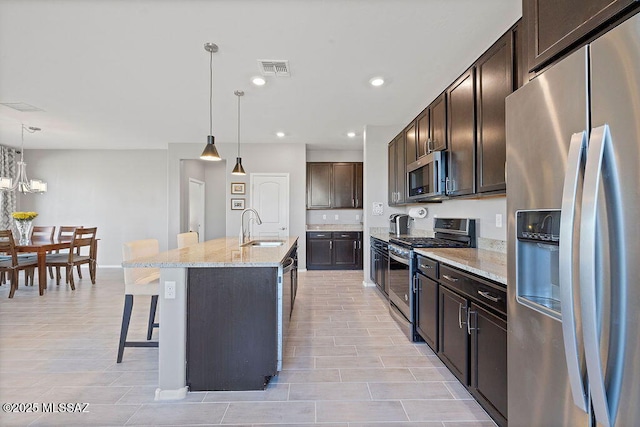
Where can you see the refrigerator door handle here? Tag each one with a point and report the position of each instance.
(605, 398)
(575, 164)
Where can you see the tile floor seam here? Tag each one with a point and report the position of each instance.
(225, 413)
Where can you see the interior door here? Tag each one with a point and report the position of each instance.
(270, 197)
(196, 207)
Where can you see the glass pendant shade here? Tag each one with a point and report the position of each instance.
(238, 170)
(210, 152)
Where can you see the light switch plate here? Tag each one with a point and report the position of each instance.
(336, 217)
(499, 220)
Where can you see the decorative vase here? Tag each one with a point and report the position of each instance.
(24, 230)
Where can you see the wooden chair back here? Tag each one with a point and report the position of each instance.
(83, 242)
(7, 246)
(43, 232)
(187, 239)
(65, 233)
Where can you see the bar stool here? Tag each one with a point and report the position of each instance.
(187, 239)
(139, 281)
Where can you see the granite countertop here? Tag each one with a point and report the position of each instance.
(223, 252)
(334, 227)
(484, 263)
(381, 236)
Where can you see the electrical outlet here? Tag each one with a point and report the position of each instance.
(499, 220)
(324, 216)
(336, 217)
(357, 217)
(169, 290)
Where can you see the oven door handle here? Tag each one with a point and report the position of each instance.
(399, 259)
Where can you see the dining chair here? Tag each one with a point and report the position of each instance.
(11, 264)
(80, 252)
(139, 281)
(42, 232)
(187, 239)
(65, 234)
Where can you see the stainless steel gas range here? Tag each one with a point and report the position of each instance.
(449, 233)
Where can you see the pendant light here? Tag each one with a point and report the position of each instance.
(210, 152)
(238, 169)
(22, 183)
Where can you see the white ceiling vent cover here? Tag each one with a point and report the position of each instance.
(274, 67)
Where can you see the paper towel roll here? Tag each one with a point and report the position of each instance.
(418, 212)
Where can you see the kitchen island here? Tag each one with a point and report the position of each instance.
(224, 312)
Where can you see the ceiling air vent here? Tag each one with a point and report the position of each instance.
(273, 67)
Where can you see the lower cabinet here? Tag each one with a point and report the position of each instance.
(463, 318)
(334, 250)
(379, 266)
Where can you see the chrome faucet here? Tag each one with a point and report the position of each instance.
(243, 233)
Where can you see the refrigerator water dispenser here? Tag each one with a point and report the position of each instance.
(537, 261)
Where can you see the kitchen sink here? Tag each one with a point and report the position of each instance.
(264, 243)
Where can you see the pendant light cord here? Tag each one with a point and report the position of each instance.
(238, 125)
(211, 93)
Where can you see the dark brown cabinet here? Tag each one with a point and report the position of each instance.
(554, 27)
(462, 135)
(334, 185)
(319, 185)
(397, 171)
(453, 339)
(489, 360)
(422, 133)
(334, 250)
(427, 310)
(494, 82)
(379, 265)
(438, 124)
(410, 140)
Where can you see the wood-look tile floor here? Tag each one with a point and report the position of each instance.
(346, 364)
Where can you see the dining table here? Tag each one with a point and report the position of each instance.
(41, 247)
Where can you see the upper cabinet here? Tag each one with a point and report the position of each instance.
(462, 135)
(422, 133)
(410, 138)
(494, 82)
(397, 171)
(438, 124)
(554, 27)
(334, 185)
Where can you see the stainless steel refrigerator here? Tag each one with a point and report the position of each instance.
(573, 204)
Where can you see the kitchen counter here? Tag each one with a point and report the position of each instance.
(247, 292)
(489, 264)
(223, 252)
(334, 227)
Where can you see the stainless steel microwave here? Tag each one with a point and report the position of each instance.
(426, 177)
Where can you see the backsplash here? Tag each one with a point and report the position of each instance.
(344, 216)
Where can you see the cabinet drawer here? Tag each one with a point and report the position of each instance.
(490, 295)
(428, 267)
(345, 235)
(319, 235)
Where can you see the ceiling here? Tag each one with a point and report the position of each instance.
(124, 74)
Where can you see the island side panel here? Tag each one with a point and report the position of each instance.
(172, 336)
(232, 328)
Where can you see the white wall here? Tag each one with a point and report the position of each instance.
(335, 155)
(256, 158)
(122, 192)
(213, 176)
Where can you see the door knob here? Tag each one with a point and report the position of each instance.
(283, 228)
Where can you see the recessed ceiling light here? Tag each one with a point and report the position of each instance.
(376, 81)
(258, 81)
(351, 134)
(280, 134)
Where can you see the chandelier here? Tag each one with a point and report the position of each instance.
(22, 183)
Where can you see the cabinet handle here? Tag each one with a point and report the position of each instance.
(450, 278)
(426, 267)
(415, 284)
(460, 315)
(488, 296)
(353, 202)
(469, 328)
(330, 244)
(446, 185)
(320, 235)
